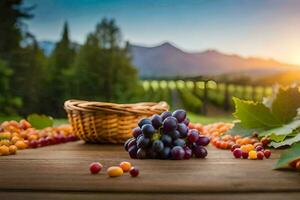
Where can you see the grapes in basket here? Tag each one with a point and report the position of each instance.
(166, 136)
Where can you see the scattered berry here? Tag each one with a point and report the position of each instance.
(134, 172)
(125, 166)
(95, 167)
(114, 171)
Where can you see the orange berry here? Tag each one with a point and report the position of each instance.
(21, 144)
(246, 140)
(237, 137)
(25, 124)
(4, 150)
(125, 166)
(12, 149)
(239, 141)
(114, 171)
(224, 145)
(33, 137)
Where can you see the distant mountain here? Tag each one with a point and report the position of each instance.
(168, 60)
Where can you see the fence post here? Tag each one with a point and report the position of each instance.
(205, 99)
(226, 97)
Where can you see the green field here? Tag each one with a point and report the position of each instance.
(193, 117)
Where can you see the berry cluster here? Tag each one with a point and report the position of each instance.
(250, 151)
(246, 147)
(115, 171)
(166, 136)
(20, 135)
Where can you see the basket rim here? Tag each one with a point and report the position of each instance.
(141, 108)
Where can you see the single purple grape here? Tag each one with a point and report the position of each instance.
(141, 154)
(178, 153)
(203, 140)
(148, 130)
(193, 135)
(180, 115)
(170, 124)
(136, 132)
(200, 152)
(183, 130)
(144, 121)
(186, 121)
(188, 152)
(156, 121)
(133, 152)
(165, 114)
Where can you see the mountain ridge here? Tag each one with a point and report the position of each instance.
(168, 60)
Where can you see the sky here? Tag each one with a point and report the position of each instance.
(260, 28)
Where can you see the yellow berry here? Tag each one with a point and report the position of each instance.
(125, 166)
(12, 149)
(252, 155)
(5, 135)
(14, 139)
(114, 171)
(5, 142)
(4, 150)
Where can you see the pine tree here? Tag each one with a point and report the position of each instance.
(11, 26)
(103, 68)
(60, 64)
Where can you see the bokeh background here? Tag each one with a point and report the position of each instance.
(194, 54)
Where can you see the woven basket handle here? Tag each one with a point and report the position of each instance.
(144, 108)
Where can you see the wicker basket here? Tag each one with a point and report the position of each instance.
(99, 122)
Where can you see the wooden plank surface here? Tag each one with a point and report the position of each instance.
(63, 169)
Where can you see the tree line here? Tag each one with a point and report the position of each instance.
(100, 69)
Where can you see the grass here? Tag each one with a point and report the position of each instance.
(208, 120)
(193, 117)
(57, 122)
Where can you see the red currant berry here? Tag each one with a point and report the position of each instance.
(260, 155)
(245, 154)
(134, 172)
(95, 167)
(267, 153)
(237, 153)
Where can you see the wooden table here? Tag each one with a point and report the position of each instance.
(61, 172)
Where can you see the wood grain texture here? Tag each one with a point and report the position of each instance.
(64, 169)
(147, 196)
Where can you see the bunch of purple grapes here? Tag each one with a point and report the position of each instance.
(166, 136)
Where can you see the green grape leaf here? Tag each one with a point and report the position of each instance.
(254, 114)
(40, 121)
(277, 138)
(286, 142)
(288, 156)
(286, 129)
(286, 103)
(238, 129)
